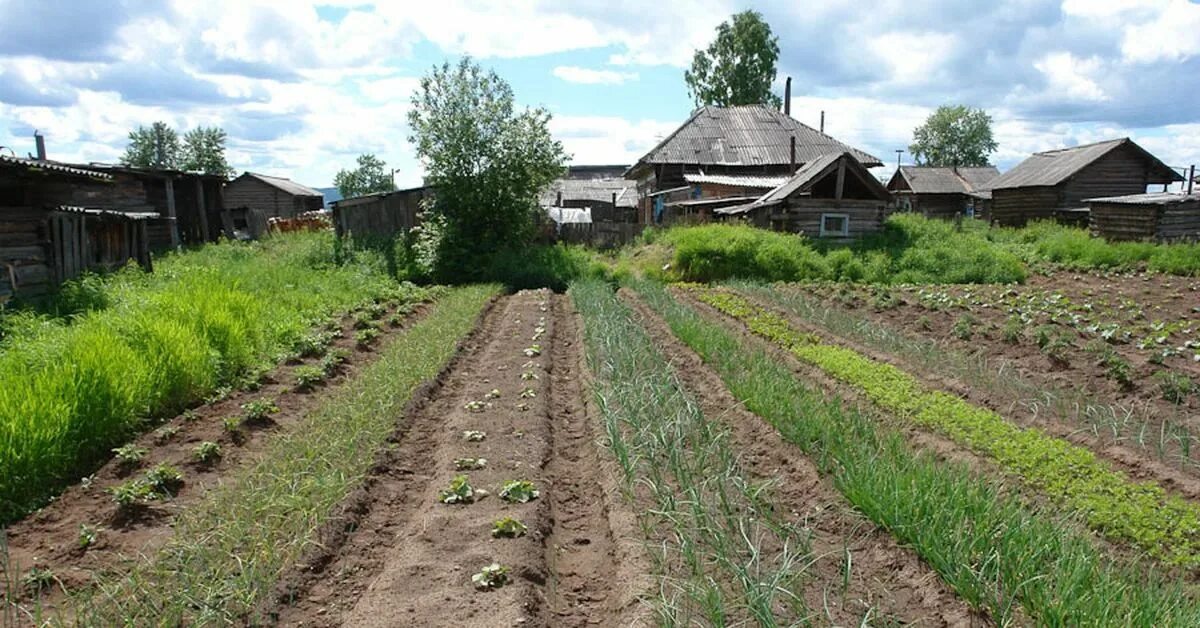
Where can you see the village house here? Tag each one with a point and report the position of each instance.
(1160, 216)
(942, 192)
(832, 196)
(605, 199)
(258, 197)
(382, 214)
(1054, 184)
(727, 156)
(55, 225)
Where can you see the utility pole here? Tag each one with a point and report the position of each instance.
(899, 151)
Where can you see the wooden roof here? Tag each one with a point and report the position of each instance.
(286, 185)
(51, 166)
(1052, 167)
(597, 190)
(1153, 198)
(748, 135)
(808, 176)
(942, 180)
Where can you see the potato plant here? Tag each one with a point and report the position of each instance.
(491, 576)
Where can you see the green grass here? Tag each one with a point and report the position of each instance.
(996, 552)
(1140, 513)
(229, 550)
(710, 526)
(1076, 248)
(145, 346)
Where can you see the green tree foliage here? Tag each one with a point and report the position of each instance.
(204, 151)
(739, 65)
(954, 135)
(156, 146)
(371, 175)
(487, 161)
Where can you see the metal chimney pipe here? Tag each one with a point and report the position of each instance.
(40, 141)
(558, 203)
(822, 120)
(1191, 177)
(787, 97)
(793, 153)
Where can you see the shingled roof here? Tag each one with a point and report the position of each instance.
(944, 180)
(748, 135)
(1052, 167)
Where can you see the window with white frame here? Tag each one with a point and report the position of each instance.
(835, 225)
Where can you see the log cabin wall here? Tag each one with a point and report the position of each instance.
(1170, 222)
(1179, 222)
(1014, 207)
(803, 215)
(1120, 172)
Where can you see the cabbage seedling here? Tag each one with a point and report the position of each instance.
(519, 491)
(470, 464)
(492, 576)
(508, 528)
(459, 492)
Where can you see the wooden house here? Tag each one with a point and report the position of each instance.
(190, 205)
(745, 141)
(832, 196)
(941, 192)
(382, 214)
(1161, 216)
(607, 199)
(51, 231)
(271, 196)
(1054, 184)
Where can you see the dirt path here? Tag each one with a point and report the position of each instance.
(884, 581)
(410, 558)
(51, 538)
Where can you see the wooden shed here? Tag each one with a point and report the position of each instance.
(272, 196)
(941, 192)
(608, 199)
(833, 196)
(1054, 184)
(742, 141)
(44, 242)
(382, 214)
(1162, 216)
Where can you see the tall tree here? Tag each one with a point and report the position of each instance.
(738, 67)
(954, 135)
(156, 146)
(204, 151)
(487, 160)
(371, 175)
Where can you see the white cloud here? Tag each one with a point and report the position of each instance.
(913, 58)
(1071, 77)
(588, 76)
(1174, 34)
(608, 139)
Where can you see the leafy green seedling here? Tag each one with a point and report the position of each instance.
(518, 491)
(190, 416)
(523, 407)
(474, 436)
(528, 375)
(508, 527)
(38, 579)
(88, 535)
(128, 494)
(307, 376)
(528, 393)
(362, 320)
(259, 410)
(492, 394)
(1175, 387)
(129, 455)
(470, 464)
(334, 360)
(492, 576)
(165, 433)
(475, 406)
(207, 452)
(533, 351)
(164, 479)
(396, 320)
(460, 491)
(364, 337)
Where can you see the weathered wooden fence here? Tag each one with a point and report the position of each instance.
(378, 215)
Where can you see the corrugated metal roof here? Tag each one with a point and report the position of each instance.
(750, 135)
(745, 181)
(1154, 198)
(54, 166)
(101, 211)
(287, 185)
(1052, 167)
(946, 180)
(596, 190)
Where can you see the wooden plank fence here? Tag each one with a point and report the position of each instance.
(601, 235)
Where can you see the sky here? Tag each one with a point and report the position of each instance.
(302, 87)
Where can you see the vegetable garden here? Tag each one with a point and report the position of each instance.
(274, 434)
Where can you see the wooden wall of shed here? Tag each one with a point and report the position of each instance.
(252, 193)
(1016, 206)
(1122, 171)
(379, 216)
(1180, 222)
(24, 263)
(803, 215)
(1175, 222)
(940, 205)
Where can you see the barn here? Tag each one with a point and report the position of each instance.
(941, 192)
(740, 142)
(1054, 184)
(1162, 216)
(271, 196)
(53, 229)
(832, 196)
